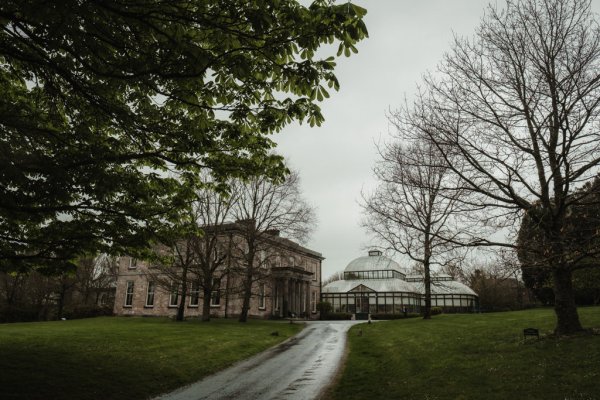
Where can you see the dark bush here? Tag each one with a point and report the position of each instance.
(394, 316)
(87, 311)
(436, 310)
(324, 307)
(339, 316)
(19, 314)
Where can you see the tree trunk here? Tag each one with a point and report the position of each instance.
(248, 284)
(207, 292)
(181, 309)
(427, 270)
(427, 282)
(564, 303)
(246, 302)
(227, 289)
(61, 301)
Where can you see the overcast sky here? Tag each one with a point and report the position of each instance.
(335, 161)
(406, 39)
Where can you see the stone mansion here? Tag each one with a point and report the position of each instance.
(289, 283)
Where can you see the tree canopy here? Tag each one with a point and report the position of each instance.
(110, 109)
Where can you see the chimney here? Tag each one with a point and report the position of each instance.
(374, 253)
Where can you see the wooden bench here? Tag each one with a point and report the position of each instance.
(531, 332)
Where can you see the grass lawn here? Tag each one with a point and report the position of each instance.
(479, 356)
(123, 358)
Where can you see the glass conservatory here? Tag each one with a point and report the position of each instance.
(375, 284)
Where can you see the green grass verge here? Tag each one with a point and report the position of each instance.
(123, 358)
(479, 356)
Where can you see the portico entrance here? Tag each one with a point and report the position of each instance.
(291, 292)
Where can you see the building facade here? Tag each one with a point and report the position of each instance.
(287, 282)
(375, 284)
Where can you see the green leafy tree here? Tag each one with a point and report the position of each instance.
(109, 110)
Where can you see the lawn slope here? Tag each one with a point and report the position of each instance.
(122, 358)
(479, 356)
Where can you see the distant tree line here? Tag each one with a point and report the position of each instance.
(34, 296)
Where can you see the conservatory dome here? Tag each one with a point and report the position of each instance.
(375, 261)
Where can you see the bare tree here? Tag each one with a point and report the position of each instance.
(268, 208)
(413, 208)
(517, 110)
(213, 248)
(173, 268)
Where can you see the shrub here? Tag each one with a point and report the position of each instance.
(19, 314)
(394, 316)
(339, 316)
(436, 310)
(87, 311)
(324, 307)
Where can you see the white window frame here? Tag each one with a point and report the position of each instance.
(313, 299)
(174, 295)
(195, 295)
(150, 294)
(216, 294)
(129, 294)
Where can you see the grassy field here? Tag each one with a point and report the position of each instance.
(122, 358)
(471, 357)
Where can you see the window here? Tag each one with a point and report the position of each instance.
(313, 269)
(215, 297)
(194, 294)
(262, 258)
(174, 297)
(261, 297)
(129, 294)
(132, 263)
(150, 294)
(291, 261)
(313, 301)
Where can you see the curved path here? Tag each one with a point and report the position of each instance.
(299, 368)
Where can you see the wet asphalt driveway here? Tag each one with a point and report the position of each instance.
(299, 368)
